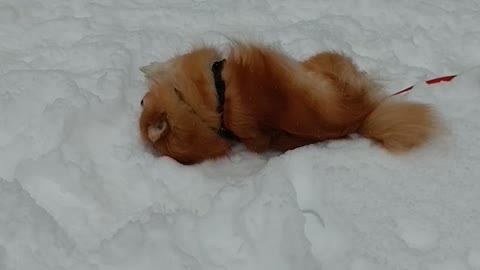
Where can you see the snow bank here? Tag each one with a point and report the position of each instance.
(79, 191)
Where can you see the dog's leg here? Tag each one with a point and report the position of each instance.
(248, 131)
(279, 141)
(283, 141)
(257, 144)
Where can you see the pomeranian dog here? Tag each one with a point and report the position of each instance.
(200, 103)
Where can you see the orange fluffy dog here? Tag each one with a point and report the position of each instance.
(200, 103)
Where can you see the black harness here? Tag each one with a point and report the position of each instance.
(217, 68)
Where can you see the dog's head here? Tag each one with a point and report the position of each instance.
(179, 117)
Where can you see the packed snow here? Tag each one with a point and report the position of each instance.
(79, 191)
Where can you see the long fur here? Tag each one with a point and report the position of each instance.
(272, 102)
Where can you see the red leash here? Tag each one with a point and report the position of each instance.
(432, 81)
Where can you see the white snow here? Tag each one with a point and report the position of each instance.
(417, 233)
(474, 258)
(79, 191)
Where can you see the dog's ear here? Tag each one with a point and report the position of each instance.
(153, 69)
(147, 70)
(158, 129)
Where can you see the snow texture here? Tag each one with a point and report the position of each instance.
(78, 190)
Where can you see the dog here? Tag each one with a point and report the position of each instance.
(200, 103)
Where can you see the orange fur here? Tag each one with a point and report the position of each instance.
(271, 102)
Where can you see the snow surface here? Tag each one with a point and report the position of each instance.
(79, 191)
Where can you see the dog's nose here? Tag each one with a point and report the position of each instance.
(141, 102)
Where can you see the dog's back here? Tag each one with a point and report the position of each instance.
(272, 97)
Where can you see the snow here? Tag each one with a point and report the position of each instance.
(474, 258)
(79, 191)
(417, 233)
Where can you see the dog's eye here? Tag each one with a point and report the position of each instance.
(141, 102)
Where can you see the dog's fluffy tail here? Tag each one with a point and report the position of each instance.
(400, 126)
